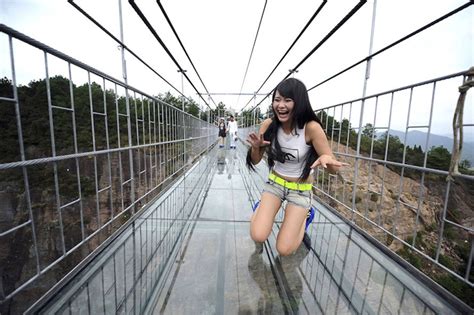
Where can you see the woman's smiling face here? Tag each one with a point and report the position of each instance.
(283, 107)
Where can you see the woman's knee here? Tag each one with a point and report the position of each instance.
(258, 235)
(285, 248)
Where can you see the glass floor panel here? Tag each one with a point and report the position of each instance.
(210, 265)
(222, 271)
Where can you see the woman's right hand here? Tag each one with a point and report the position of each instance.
(257, 141)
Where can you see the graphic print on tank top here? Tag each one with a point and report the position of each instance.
(291, 155)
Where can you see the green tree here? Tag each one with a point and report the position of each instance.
(204, 115)
(220, 110)
(415, 156)
(170, 99)
(192, 108)
(9, 145)
(345, 130)
(438, 158)
(394, 147)
(368, 130)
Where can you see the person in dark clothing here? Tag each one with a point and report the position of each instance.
(222, 132)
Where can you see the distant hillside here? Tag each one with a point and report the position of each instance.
(417, 137)
(468, 134)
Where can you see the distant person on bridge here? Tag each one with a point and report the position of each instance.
(295, 143)
(232, 132)
(222, 132)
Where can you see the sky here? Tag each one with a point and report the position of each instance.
(218, 36)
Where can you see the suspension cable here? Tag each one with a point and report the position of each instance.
(291, 47)
(78, 8)
(182, 46)
(328, 35)
(253, 47)
(464, 6)
(157, 37)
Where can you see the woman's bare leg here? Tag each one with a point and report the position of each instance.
(292, 230)
(262, 220)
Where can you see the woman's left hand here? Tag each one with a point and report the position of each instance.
(325, 160)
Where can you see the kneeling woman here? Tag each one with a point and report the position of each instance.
(295, 143)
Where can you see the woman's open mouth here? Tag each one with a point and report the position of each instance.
(284, 114)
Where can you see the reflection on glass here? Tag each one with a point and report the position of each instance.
(231, 164)
(261, 272)
(221, 161)
(345, 273)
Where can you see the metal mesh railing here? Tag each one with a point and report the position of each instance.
(396, 191)
(398, 187)
(78, 160)
(125, 277)
(343, 271)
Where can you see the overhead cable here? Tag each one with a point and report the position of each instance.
(464, 6)
(157, 37)
(291, 46)
(182, 46)
(78, 8)
(328, 35)
(253, 47)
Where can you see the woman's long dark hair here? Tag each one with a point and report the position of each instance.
(302, 114)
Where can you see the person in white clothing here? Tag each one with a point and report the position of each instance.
(232, 126)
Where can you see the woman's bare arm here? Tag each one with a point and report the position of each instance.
(257, 143)
(320, 143)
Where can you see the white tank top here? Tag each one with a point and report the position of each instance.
(295, 150)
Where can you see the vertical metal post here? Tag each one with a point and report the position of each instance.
(199, 106)
(182, 85)
(182, 71)
(78, 169)
(53, 154)
(94, 148)
(364, 91)
(24, 169)
(109, 162)
(209, 122)
(127, 104)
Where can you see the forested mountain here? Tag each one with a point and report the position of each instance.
(418, 138)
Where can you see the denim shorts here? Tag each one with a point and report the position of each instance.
(297, 197)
